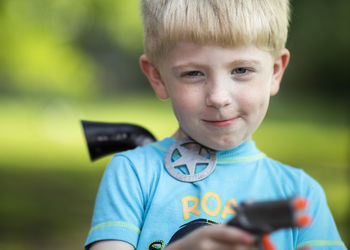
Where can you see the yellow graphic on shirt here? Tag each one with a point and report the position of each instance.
(204, 203)
(190, 205)
(187, 208)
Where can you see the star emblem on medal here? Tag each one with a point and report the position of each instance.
(188, 161)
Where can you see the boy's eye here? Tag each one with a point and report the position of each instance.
(192, 73)
(240, 71)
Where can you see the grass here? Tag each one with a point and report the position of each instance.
(48, 185)
(46, 208)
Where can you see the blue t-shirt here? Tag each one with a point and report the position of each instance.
(140, 203)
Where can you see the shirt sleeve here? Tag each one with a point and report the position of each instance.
(119, 206)
(322, 232)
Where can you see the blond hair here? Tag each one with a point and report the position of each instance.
(228, 23)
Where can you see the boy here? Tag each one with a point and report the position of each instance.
(218, 61)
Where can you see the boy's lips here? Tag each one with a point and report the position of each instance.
(222, 123)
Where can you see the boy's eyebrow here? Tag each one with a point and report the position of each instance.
(245, 62)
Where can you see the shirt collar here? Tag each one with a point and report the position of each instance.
(247, 151)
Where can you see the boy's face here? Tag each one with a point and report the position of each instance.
(219, 95)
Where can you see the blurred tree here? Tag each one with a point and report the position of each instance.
(43, 50)
(37, 57)
(319, 41)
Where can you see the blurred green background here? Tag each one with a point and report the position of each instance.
(62, 61)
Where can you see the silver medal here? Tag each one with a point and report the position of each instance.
(188, 155)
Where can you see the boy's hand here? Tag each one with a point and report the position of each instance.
(219, 236)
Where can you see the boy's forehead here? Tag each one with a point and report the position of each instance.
(186, 53)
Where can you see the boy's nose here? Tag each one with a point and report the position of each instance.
(218, 95)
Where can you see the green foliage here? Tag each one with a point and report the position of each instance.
(319, 45)
(41, 53)
(36, 57)
(123, 21)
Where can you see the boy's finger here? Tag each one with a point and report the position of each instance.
(226, 246)
(267, 243)
(232, 235)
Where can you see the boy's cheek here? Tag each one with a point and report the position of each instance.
(252, 99)
(254, 106)
(186, 98)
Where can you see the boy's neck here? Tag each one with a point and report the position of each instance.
(180, 134)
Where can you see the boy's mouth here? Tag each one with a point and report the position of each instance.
(221, 123)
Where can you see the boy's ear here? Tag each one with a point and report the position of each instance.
(154, 77)
(279, 66)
